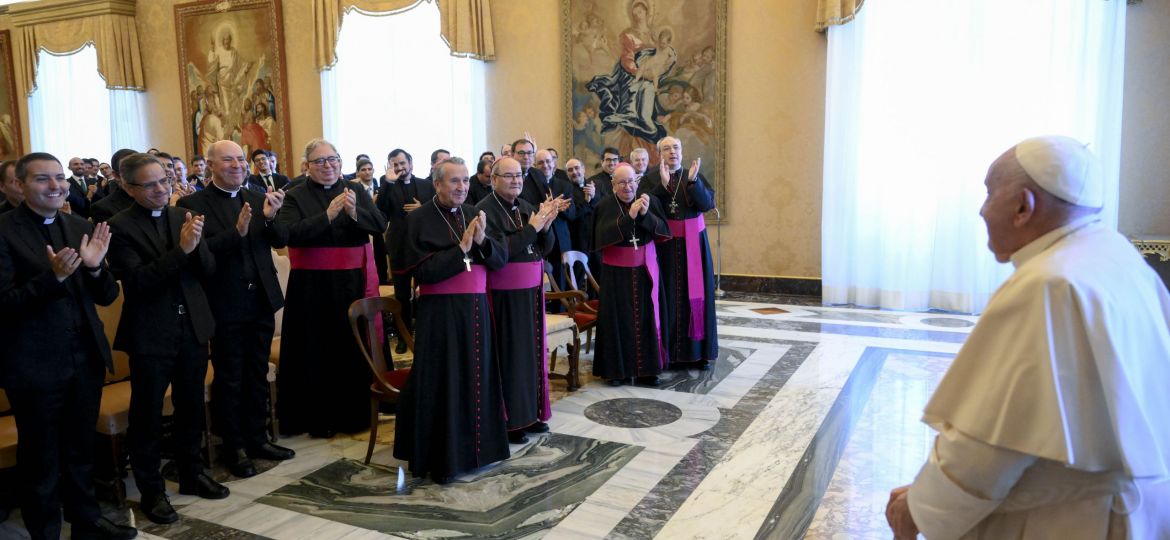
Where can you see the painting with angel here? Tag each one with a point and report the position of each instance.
(233, 74)
(639, 70)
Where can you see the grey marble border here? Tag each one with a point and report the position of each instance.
(796, 506)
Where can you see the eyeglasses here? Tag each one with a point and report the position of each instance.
(510, 176)
(524, 153)
(149, 186)
(626, 183)
(228, 160)
(332, 160)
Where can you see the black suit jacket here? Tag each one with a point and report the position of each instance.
(227, 289)
(535, 191)
(154, 278)
(78, 199)
(110, 205)
(256, 182)
(391, 198)
(32, 307)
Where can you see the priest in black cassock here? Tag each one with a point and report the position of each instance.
(516, 292)
(323, 377)
(541, 184)
(688, 277)
(402, 193)
(481, 182)
(626, 227)
(451, 412)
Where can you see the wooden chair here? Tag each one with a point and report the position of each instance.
(588, 319)
(388, 382)
(8, 487)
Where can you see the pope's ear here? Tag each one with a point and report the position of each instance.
(1026, 206)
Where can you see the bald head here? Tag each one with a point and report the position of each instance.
(228, 165)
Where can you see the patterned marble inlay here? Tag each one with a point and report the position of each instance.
(948, 322)
(632, 412)
(521, 496)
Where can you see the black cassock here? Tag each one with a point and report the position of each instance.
(518, 311)
(451, 412)
(324, 380)
(688, 329)
(627, 325)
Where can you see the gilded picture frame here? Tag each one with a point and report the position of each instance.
(635, 71)
(11, 143)
(232, 75)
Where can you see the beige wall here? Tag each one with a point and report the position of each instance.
(776, 84)
(1145, 129)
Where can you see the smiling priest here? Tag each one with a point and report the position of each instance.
(451, 412)
(1051, 419)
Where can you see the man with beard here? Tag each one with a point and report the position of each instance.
(517, 299)
(402, 193)
(626, 228)
(688, 277)
(451, 414)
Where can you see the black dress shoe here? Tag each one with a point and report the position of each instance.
(704, 365)
(400, 348)
(239, 464)
(517, 437)
(271, 452)
(614, 382)
(103, 529)
(158, 509)
(204, 486)
(539, 427)
(648, 381)
(322, 433)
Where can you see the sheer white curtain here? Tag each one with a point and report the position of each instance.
(922, 96)
(73, 114)
(396, 85)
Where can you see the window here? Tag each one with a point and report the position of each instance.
(72, 113)
(921, 97)
(396, 85)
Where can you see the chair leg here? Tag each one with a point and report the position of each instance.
(589, 340)
(552, 360)
(574, 358)
(373, 429)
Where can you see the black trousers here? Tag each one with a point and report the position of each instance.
(55, 425)
(402, 292)
(239, 391)
(380, 260)
(149, 376)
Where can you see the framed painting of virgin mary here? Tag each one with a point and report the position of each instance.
(636, 71)
(232, 74)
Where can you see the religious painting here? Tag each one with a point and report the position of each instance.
(10, 142)
(636, 71)
(232, 74)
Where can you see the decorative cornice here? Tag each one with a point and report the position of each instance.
(47, 11)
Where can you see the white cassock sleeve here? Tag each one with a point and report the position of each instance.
(963, 481)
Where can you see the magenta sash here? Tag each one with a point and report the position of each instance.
(528, 275)
(340, 258)
(688, 230)
(517, 275)
(473, 282)
(645, 256)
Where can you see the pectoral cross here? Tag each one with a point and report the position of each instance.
(467, 262)
(529, 249)
(673, 207)
(634, 240)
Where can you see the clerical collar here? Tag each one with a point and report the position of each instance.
(50, 220)
(1039, 245)
(145, 210)
(444, 207)
(228, 192)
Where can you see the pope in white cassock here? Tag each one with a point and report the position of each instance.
(1054, 419)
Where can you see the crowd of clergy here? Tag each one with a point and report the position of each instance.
(469, 250)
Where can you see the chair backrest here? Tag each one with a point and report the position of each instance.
(363, 321)
(280, 261)
(570, 260)
(110, 315)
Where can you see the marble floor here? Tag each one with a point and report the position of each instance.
(808, 419)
